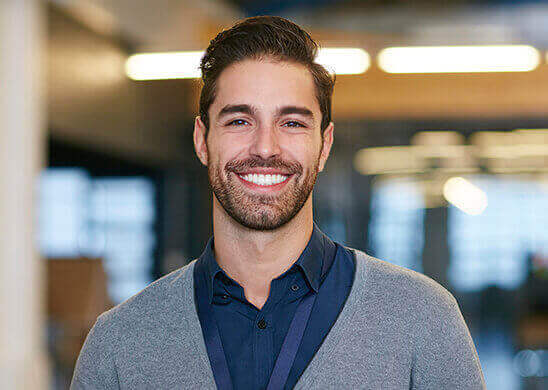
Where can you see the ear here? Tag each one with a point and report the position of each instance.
(200, 145)
(327, 142)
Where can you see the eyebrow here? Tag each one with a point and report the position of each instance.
(295, 110)
(236, 108)
(247, 109)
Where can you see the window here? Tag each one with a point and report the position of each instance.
(111, 218)
(492, 248)
(396, 230)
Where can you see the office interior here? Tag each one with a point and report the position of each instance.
(442, 171)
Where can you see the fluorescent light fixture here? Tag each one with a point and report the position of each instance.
(344, 60)
(388, 160)
(437, 138)
(459, 59)
(186, 64)
(465, 196)
(163, 66)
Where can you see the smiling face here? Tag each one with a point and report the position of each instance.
(264, 148)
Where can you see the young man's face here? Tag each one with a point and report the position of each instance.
(264, 148)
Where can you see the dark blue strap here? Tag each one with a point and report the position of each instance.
(291, 343)
(213, 343)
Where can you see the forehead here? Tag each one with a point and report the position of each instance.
(266, 84)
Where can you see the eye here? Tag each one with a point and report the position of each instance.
(237, 122)
(293, 124)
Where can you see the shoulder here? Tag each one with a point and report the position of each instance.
(123, 334)
(155, 301)
(401, 287)
(420, 319)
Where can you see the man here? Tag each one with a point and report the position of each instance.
(272, 302)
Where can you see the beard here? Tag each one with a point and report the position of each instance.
(262, 211)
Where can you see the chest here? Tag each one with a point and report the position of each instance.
(357, 351)
(354, 354)
(252, 338)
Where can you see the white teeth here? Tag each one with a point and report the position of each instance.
(264, 180)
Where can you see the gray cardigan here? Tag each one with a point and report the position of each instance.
(398, 329)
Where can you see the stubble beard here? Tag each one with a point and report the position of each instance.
(261, 211)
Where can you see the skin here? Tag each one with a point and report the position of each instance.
(260, 232)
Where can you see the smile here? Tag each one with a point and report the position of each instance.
(264, 180)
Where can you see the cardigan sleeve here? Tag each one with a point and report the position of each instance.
(445, 356)
(95, 367)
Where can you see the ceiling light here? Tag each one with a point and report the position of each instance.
(162, 66)
(186, 64)
(388, 160)
(459, 59)
(344, 60)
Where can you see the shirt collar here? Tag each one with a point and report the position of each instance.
(312, 258)
(310, 261)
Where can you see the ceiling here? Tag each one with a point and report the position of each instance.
(147, 116)
(189, 25)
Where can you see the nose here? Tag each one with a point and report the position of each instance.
(266, 143)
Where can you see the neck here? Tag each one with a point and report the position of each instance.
(253, 258)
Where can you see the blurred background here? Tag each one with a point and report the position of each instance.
(439, 164)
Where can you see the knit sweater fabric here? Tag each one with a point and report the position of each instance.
(398, 329)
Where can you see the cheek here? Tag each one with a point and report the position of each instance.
(221, 156)
(307, 154)
(230, 146)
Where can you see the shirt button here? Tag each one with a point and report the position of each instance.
(261, 324)
(294, 287)
(225, 296)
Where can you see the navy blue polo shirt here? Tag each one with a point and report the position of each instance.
(252, 338)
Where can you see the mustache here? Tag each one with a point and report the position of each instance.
(240, 166)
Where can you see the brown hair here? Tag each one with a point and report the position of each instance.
(258, 37)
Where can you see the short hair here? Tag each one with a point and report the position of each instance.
(264, 37)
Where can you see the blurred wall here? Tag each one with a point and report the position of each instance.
(92, 103)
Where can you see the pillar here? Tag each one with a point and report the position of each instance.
(23, 356)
